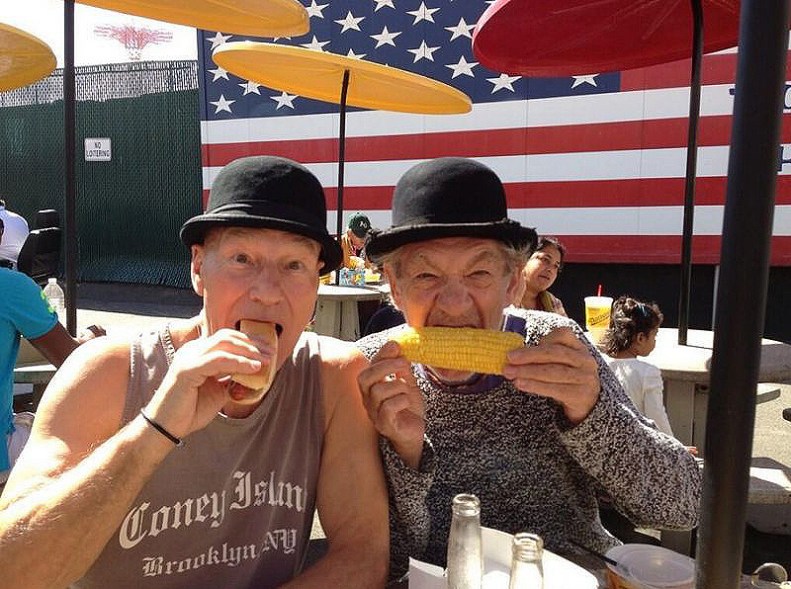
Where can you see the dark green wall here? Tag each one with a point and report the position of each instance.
(129, 210)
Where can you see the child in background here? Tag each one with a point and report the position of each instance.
(633, 329)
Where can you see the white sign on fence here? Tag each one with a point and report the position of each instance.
(98, 149)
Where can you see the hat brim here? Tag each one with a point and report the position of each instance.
(194, 231)
(507, 231)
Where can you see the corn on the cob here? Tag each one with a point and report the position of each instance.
(459, 348)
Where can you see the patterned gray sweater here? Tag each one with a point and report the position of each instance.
(531, 469)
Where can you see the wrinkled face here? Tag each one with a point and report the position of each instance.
(542, 268)
(260, 274)
(456, 282)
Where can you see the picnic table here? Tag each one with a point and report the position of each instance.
(337, 310)
(686, 372)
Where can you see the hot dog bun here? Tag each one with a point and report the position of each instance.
(262, 380)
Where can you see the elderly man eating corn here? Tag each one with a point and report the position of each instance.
(539, 442)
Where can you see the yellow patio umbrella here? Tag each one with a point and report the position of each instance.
(342, 80)
(24, 59)
(261, 18)
(319, 75)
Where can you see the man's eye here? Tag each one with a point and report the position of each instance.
(295, 265)
(241, 259)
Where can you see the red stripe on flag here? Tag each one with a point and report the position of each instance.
(584, 193)
(650, 134)
(656, 249)
(715, 69)
(496, 142)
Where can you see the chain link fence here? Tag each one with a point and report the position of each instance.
(129, 209)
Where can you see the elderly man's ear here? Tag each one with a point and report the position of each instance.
(195, 269)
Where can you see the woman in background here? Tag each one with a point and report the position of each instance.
(539, 274)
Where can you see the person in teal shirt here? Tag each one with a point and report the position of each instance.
(24, 311)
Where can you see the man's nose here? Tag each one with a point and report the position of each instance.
(454, 295)
(266, 286)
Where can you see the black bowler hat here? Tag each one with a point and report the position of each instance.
(449, 197)
(268, 192)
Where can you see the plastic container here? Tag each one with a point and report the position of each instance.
(644, 565)
(56, 298)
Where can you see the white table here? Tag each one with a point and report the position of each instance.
(686, 373)
(38, 375)
(337, 313)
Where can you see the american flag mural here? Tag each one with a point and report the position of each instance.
(596, 159)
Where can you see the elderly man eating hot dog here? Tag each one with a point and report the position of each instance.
(159, 462)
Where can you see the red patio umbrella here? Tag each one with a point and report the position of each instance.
(568, 37)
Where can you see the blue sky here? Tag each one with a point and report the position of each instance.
(44, 19)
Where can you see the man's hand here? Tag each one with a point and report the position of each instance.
(560, 367)
(394, 402)
(195, 386)
(91, 332)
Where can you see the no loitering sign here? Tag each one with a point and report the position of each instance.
(98, 149)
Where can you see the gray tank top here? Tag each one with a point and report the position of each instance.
(233, 507)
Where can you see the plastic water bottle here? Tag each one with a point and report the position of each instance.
(465, 555)
(56, 298)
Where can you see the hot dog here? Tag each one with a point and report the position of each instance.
(261, 380)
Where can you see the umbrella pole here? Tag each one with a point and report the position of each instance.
(692, 162)
(69, 133)
(341, 160)
(741, 303)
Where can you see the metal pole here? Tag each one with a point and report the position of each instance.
(341, 159)
(692, 162)
(69, 131)
(747, 231)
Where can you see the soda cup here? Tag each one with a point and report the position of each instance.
(597, 316)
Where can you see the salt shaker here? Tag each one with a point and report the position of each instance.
(527, 570)
(465, 554)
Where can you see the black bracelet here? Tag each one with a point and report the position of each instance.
(162, 430)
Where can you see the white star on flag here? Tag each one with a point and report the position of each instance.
(423, 13)
(423, 52)
(218, 39)
(354, 55)
(351, 22)
(461, 30)
(382, 4)
(316, 10)
(218, 73)
(285, 99)
(250, 88)
(222, 104)
(315, 44)
(504, 81)
(385, 38)
(462, 68)
(589, 79)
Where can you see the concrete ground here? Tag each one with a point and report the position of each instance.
(130, 308)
